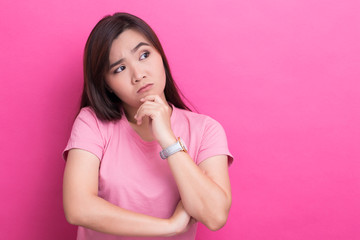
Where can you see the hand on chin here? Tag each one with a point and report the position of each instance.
(159, 113)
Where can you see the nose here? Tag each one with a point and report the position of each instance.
(138, 75)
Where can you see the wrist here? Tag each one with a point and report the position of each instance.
(179, 145)
(167, 142)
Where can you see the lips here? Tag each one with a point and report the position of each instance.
(145, 88)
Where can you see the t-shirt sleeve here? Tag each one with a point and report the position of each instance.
(86, 134)
(214, 141)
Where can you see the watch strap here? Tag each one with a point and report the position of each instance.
(174, 148)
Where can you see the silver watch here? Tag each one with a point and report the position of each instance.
(176, 147)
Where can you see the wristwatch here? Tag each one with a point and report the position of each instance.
(176, 147)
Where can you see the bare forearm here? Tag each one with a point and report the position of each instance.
(202, 197)
(83, 207)
(97, 214)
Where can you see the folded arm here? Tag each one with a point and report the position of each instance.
(205, 189)
(83, 207)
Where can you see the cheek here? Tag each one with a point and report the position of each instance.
(161, 69)
(162, 75)
(160, 66)
(122, 89)
(118, 87)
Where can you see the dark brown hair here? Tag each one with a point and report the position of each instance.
(96, 94)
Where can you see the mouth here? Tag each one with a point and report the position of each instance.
(145, 88)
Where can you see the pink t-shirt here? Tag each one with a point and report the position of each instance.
(132, 174)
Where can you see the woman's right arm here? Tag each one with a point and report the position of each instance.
(83, 207)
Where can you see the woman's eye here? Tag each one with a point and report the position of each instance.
(144, 55)
(120, 69)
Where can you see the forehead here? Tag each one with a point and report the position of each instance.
(126, 41)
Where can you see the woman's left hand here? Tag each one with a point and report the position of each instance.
(159, 113)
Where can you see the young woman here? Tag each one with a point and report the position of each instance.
(139, 163)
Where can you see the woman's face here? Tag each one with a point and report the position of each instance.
(136, 69)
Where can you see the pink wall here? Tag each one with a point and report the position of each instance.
(281, 76)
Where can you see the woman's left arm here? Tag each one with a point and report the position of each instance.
(205, 189)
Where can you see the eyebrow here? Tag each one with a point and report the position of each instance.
(132, 51)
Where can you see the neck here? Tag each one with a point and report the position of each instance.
(130, 113)
(144, 130)
(145, 125)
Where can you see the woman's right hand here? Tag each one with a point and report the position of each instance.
(180, 221)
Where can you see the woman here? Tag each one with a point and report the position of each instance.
(138, 162)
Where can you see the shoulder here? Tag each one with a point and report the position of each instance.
(87, 114)
(87, 120)
(198, 125)
(87, 133)
(204, 135)
(196, 119)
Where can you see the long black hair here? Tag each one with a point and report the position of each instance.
(96, 94)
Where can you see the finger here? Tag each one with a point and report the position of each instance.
(153, 98)
(146, 105)
(150, 111)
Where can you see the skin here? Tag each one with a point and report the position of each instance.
(204, 189)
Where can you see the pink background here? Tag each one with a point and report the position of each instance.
(281, 76)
